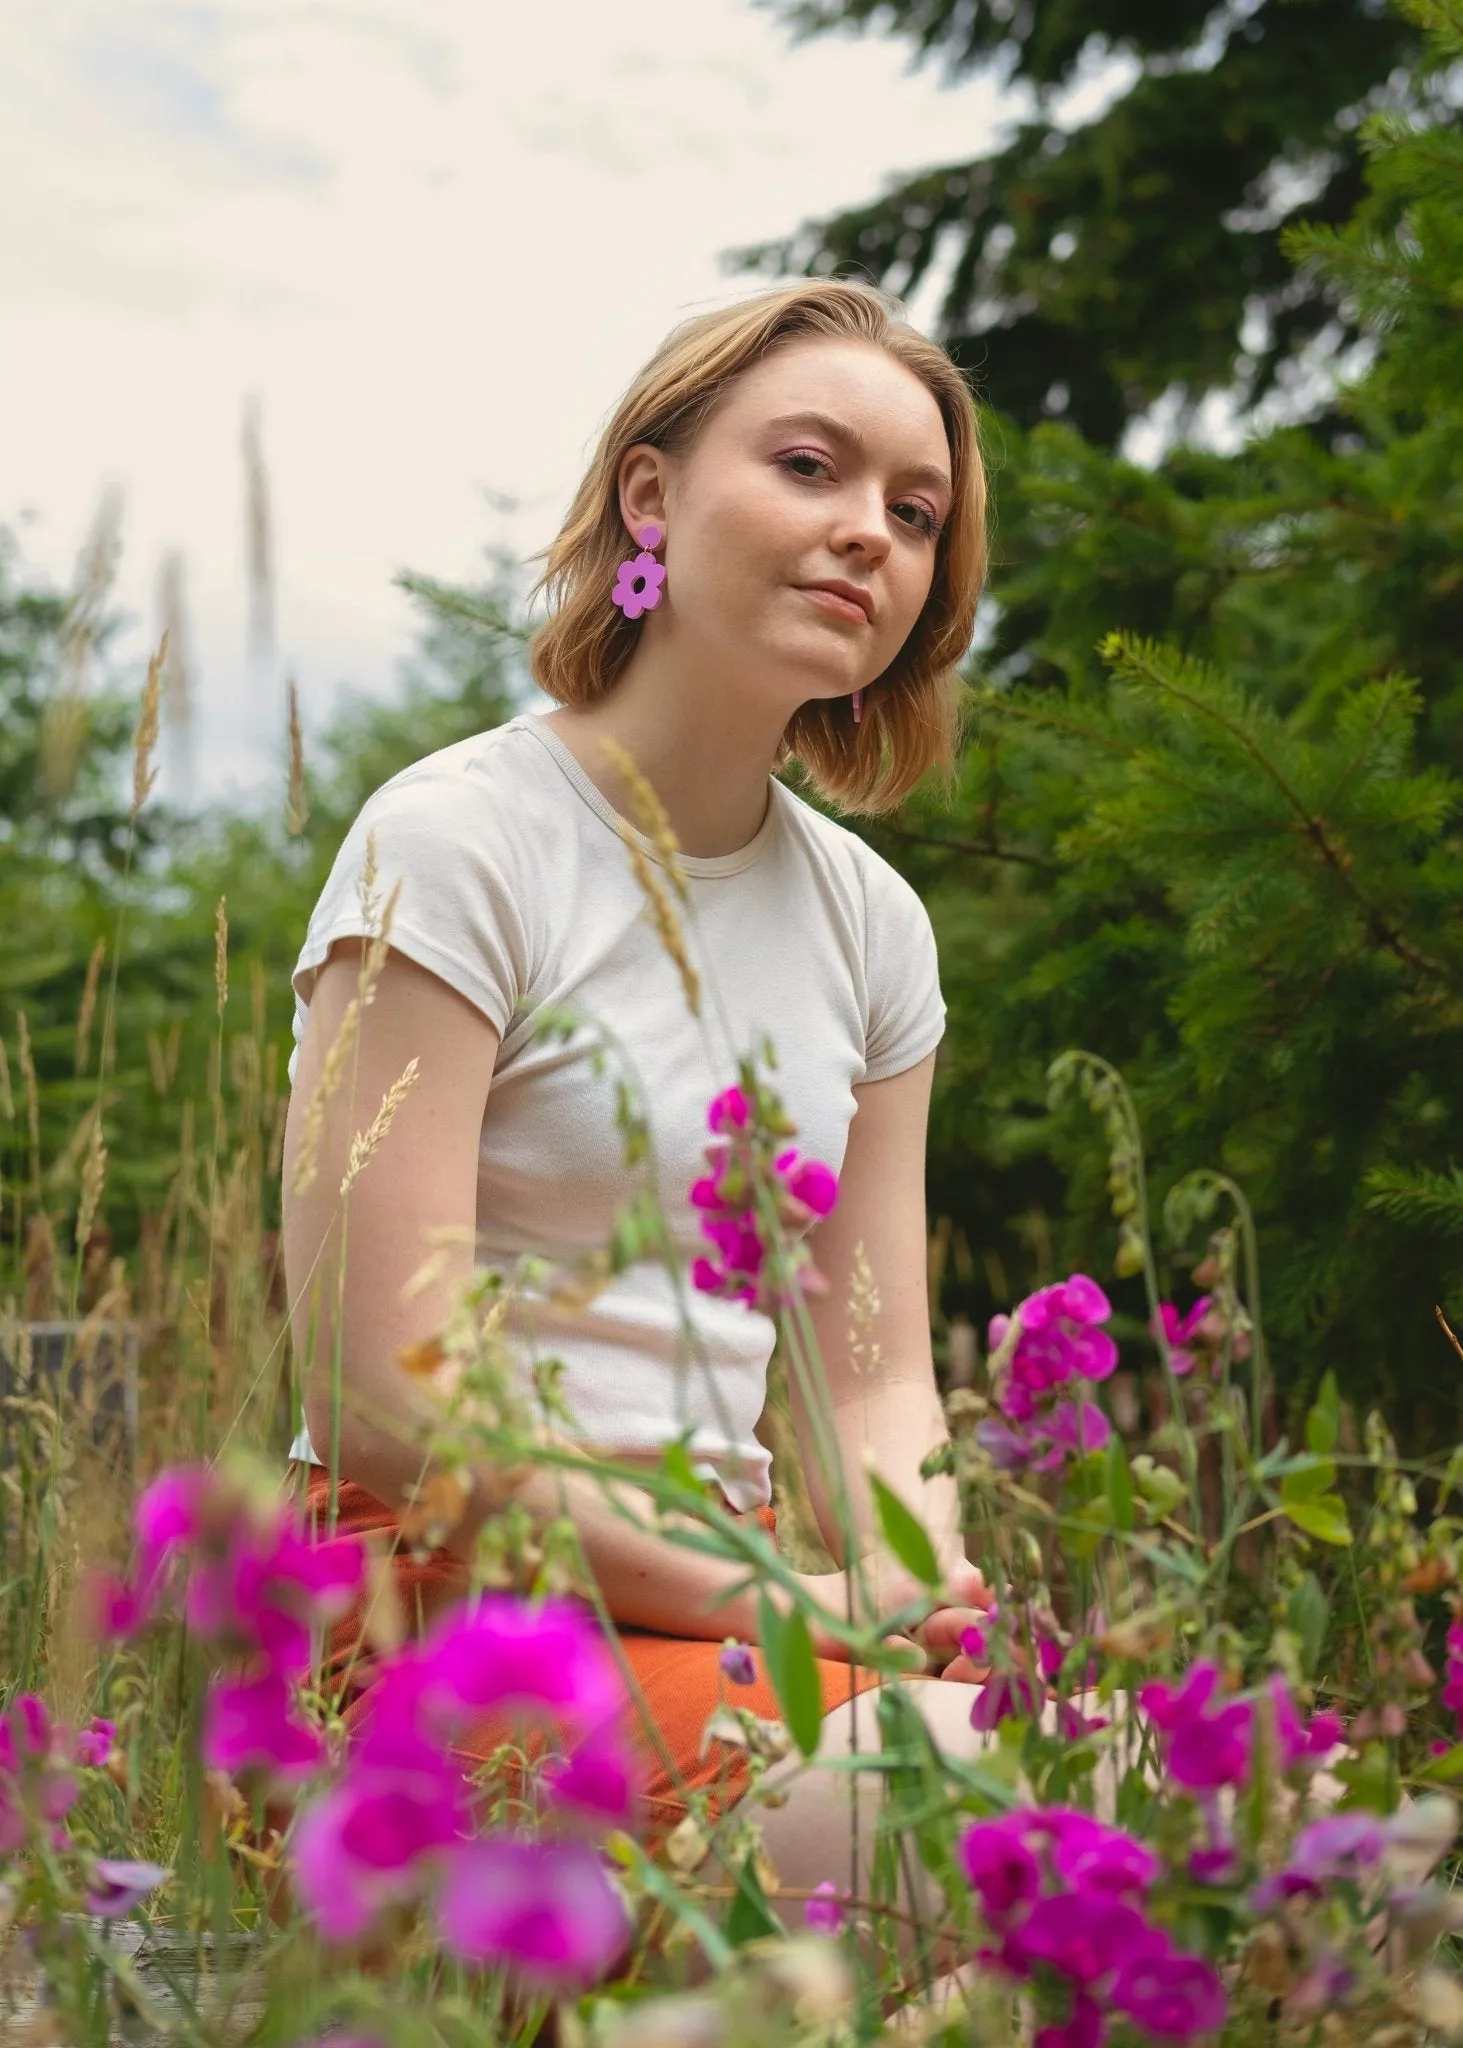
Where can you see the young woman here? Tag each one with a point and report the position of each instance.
(804, 468)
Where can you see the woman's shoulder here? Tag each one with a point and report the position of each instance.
(500, 763)
(839, 848)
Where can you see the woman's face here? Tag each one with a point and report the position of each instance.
(802, 523)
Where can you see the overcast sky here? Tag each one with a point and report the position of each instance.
(435, 237)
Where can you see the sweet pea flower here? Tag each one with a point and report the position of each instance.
(1001, 1868)
(372, 1841)
(95, 1742)
(1204, 1750)
(117, 1887)
(503, 1655)
(549, 1910)
(1179, 1331)
(1452, 1694)
(1083, 2027)
(738, 1665)
(1088, 1940)
(250, 1724)
(1092, 1858)
(823, 1912)
(598, 1782)
(37, 1789)
(1173, 1997)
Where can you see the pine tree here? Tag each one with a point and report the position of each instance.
(1093, 268)
(1221, 845)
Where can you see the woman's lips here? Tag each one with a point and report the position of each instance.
(837, 607)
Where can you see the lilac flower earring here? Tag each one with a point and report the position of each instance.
(641, 579)
(858, 706)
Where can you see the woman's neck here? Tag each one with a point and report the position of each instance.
(709, 768)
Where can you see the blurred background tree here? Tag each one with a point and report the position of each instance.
(1227, 856)
(1092, 267)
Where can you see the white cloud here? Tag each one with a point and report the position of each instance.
(436, 236)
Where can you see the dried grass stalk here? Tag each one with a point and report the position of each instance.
(221, 954)
(32, 1093)
(364, 1143)
(88, 1004)
(650, 814)
(144, 739)
(93, 1179)
(296, 808)
(7, 1100)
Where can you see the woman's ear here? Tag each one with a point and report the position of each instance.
(643, 478)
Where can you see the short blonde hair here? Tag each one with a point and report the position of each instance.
(911, 713)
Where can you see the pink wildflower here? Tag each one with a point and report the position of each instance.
(1178, 1331)
(117, 1887)
(37, 1789)
(250, 1724)
(1173, 1997)
(95, 1742)
(823, 1912)
(738, 1664)
(547, 1909)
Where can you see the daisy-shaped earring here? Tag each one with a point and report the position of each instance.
(640, 580)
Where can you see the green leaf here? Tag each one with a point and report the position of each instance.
(905, 1534)
(1325, 1517)
(1119, 1484)
(793, 1669)
(1323, 1424)
(1309, 1612)
(1309, 1482)
(750, 1918)
(1444, 1769)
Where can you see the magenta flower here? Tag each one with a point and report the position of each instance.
(1452, 1694)
(250, 1724)
(373, 1840)
(1092, 1858)
(809, 1181)
(1178, 1331)
(1204, 1749)
(253, 1582)
(546, 1909)
(1082, 2029)
(505, 1655)
(1339, 1847)
(1088, 1939)
(1072, 1429)
(95, 1742)
(638, 585)
(598, 1781)
(1001, 1868)
(807, 1188)
(823, 1912)
(116, 1887)
(738, 1664)
(1173, 1997)
(37, 1789)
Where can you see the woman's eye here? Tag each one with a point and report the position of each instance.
(923, 520)
(803, 462)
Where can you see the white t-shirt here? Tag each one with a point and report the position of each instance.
(517, 891)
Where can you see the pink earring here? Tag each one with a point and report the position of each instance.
(640, 581)
(858, 706)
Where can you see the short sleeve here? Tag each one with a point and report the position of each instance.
(458, 912)
(902, 970)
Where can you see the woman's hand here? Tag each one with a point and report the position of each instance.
(936, 1636)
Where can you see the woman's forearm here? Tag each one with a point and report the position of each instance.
(647, 1580)
(894, 1427)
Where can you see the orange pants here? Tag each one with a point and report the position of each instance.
(677, 1680)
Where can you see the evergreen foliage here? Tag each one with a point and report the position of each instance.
(1221, 844)
(1091, 268)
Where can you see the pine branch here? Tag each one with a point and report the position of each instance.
(1142, 662)
(1413, 1195)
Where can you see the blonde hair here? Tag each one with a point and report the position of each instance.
(911, 713)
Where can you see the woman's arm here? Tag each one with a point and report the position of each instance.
(884, 1400)
(424, 1181)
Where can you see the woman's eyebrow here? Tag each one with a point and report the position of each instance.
(824, 423)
